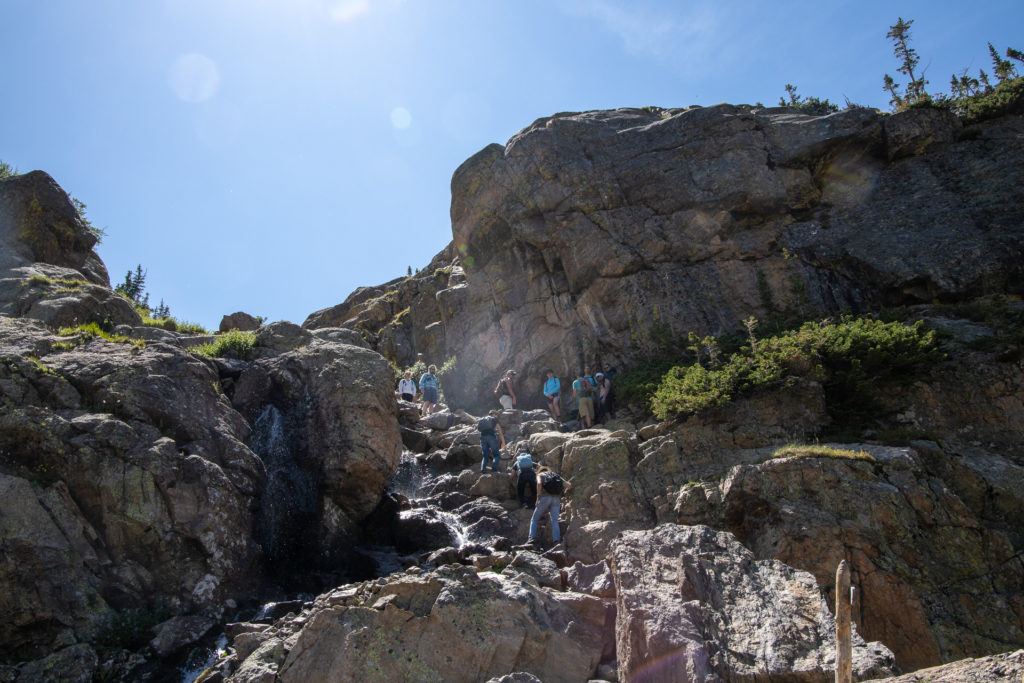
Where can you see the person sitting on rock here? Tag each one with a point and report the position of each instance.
(505, 392)
(550, 487)
(407, 387)
(583, 391)
(552, 388)
(429, 387)
(526, 478)
(490, 436)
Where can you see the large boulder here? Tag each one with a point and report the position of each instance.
(598, 236)
(693, 604)
(935, 581)
(448, 625)
(324, 423)
(1004, 668)
(239, 320)
(49, 270)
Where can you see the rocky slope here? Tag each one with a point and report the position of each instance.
(152, 498)
(600, 236)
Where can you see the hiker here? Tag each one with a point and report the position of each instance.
(490, 436)
(589, 377)
(429, 388)
(550, 487)
(552, 387)
(583, 391)
(604, 396)
(407, 387)
(505, 392)
(526, 478)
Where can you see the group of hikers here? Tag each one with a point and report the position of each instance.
(537, 487)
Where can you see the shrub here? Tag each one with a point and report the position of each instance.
(819, 451)
(89, 331)
(809, 105)
(847, 357)
(233, 344)
(7, 171)
(637, 385)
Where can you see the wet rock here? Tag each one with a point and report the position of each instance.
(75, 664)
(422, 529)
(699, 597)
(518, 677)
(272, 611)
(415, 440)
(178, 632)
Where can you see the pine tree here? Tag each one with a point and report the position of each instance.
(914, 92)
(408, 271)
(134, 286)
(1002, 68)
(1015, 54)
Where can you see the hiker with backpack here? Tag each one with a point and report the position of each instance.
(550, 487)
(490, 436)
(552, 388)
(505, 392)
(583, 391)
(526, 478)
(407, 387)
(429, 386)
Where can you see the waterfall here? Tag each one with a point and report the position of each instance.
(409, 478)
(455, 526)
(288, 505)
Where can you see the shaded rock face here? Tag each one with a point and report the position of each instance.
(693, 604)
(324, 419)
(448, 625)
(48, 269)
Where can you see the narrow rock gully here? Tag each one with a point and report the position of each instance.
(439, 510)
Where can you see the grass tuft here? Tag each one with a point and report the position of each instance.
(819, 451)
(89, 331)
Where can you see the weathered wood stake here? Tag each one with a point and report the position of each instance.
(844, 650)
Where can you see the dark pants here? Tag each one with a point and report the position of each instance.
(489, 447)
(527, 480)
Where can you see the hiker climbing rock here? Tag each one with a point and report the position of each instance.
(526, 478)
(429, 387)
(492, 440)
(552, 388)
(605, 407)
(505, 391)
(550, 487)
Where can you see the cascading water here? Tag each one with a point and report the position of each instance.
(455, 526)
(288, 505)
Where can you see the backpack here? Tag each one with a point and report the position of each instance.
(586, 389)
(552, 484)
(486, 425)
(428, 381)
(500, 389)
(524, 462)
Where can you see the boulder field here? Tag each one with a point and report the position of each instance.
(174, 510)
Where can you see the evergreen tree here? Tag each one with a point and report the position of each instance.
(134, 286)
(809, 105)
(914, 92)
(1015, 54)
(408, 271)
(161, 310)
(1002, 68)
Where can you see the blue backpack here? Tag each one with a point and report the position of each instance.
(524, 462)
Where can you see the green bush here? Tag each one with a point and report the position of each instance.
(7, 171)
(1004, 97)
(233, 344)
(847, 357)
(636, 386)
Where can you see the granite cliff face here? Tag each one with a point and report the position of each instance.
(598, 236)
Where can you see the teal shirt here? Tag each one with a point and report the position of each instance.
(552, 386)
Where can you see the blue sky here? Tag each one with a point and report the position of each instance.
(272, 155)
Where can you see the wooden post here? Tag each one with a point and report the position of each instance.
(844, 650)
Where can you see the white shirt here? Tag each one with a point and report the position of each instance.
(407, 386)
